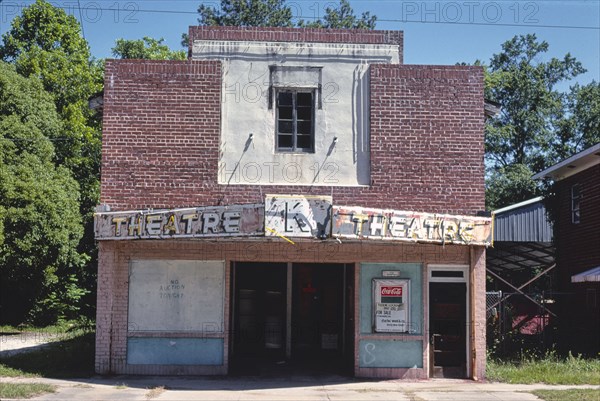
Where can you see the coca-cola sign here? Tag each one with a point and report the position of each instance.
(391, 305)
(391, 291)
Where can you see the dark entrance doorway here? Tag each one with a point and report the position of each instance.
(259, 310)
(292, 319)
(318, 315)
(448, 328)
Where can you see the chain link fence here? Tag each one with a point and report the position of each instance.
(516, 325)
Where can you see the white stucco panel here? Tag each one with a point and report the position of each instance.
(338, 74)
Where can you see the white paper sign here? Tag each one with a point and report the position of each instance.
(391, 306)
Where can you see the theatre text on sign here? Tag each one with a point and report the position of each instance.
(194, 222)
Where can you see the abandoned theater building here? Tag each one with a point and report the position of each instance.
(292, 196)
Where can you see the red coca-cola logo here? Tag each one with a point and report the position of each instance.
(391, 291)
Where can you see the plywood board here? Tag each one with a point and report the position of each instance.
(176, 295)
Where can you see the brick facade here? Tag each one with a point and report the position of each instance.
(161, 139)
(161, 144)
(426, 138)
(302, 35)
(113, 278)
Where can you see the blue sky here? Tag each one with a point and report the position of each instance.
(435, 32)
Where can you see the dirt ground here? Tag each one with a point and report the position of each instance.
(14, 343)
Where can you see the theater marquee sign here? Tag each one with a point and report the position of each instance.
(363, 223)
(214, 221)
(295, 216)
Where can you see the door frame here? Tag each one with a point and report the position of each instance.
(289, 267)
(465, 269)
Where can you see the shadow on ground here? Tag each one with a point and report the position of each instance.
(72, 357)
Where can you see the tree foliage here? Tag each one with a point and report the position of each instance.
(581, 128)
(277, 13)
(247, 13)
(523, 139)
(40, 222)
(146, 48)
(46, 44)
(342, 17)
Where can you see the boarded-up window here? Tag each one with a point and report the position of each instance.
(176, 295)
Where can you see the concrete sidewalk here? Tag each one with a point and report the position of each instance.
(303, 388)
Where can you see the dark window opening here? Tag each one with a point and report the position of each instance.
(447, 273)
(295, 121)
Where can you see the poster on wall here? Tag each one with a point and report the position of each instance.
(391, 305)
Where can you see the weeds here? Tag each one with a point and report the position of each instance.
(550, 369)
(24, 390)
(568, 395)
(73, 357)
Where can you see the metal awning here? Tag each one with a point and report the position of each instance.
(522, 238)
(523, 250)
(513, 256)
(592, 275)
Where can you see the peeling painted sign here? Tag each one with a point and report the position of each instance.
(298, 216)
(357, 222)
(212, 221)
(294, 216)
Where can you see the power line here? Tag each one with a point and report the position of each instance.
(378, 19)
(404, 21)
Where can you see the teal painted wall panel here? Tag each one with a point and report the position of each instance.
(174, 351)
(412, 271)
(390, 354)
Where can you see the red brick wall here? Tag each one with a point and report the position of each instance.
(160, 132)
(427, 137)
(271, 34)
(477, 324)
(113, 284)
(161, 139)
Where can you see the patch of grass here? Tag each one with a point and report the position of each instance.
(24, 390)
(568, 395)
(73, 357)
(549, 369)
(60, 327)
(155, 392)
(7, 371)
(121, 386)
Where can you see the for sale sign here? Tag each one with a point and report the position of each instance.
(390, 306)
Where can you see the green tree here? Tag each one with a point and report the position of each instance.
(342, 17)
(247, 13)
(581, 128)
(276, 13)
(146, 48)
(46, 43)
(520, 141)
(40, 223)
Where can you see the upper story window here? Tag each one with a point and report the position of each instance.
(295, 120)
(575, 201)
